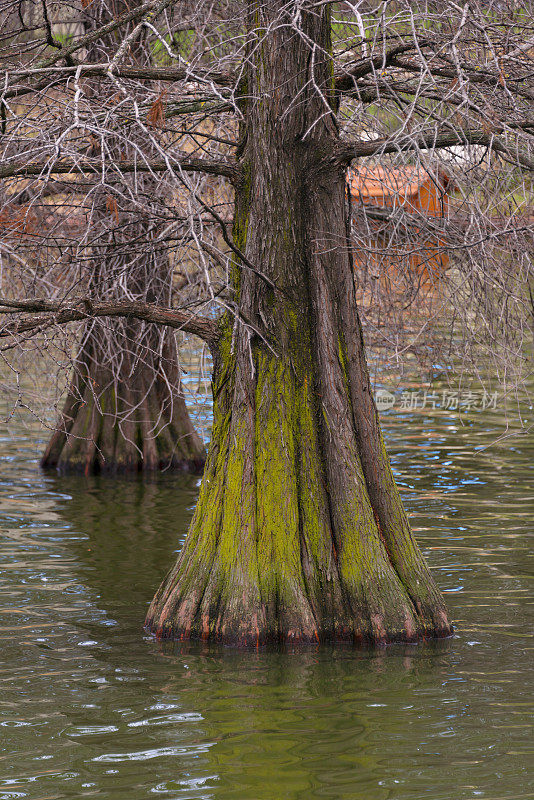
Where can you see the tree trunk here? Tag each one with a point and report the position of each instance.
(299, 532)
(127, 419)
(125, 410)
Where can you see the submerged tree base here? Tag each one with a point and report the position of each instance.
(265, 628)
(285, 546)
(137, 422)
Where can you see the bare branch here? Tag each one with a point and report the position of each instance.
(93, 36)
(431, 141)
(149, 73)
(209, 167)
(345, 81)
(179, 319)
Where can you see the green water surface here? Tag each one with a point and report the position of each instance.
(92, 707)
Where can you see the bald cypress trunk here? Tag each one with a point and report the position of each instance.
(127, 418)
(299, 532)
(124, 410)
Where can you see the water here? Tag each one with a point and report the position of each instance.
(91, 707)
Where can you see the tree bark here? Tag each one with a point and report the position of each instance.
(299, 533)
(133, 419)
(125, 410)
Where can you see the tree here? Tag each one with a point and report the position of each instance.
(299, 532)
(125, 408)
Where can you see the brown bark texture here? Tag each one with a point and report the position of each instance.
(125, 410)
(133, 421)
(299, 534)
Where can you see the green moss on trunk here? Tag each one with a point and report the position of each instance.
(299, 533)
(282, 547)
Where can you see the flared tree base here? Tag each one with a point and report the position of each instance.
(285, 546)
(144, 430)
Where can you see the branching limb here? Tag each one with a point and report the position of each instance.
(147, 72)
(432, 141)
(188, 321)
(86, 166)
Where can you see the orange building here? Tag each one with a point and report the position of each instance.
(399, 250)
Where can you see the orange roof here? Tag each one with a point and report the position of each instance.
(383, 185)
